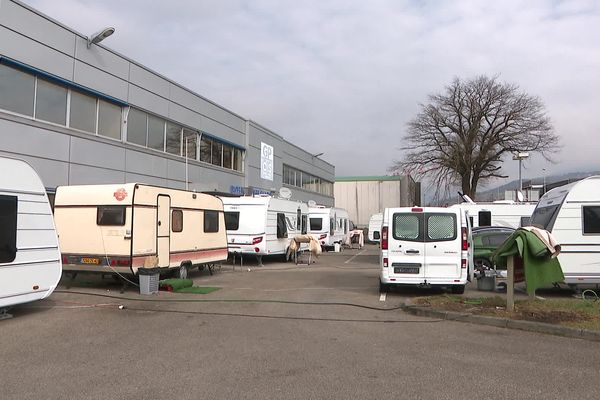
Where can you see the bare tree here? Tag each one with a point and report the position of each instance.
(461, 136)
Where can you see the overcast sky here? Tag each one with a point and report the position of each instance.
(344, 77)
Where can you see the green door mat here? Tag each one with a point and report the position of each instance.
(184, 286)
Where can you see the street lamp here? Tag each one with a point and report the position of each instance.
(100, 36)
(520, 156)
(318, 154)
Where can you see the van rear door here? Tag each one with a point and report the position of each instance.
(406, 248)
(442, 245)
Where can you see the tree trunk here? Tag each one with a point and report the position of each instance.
(466, 185)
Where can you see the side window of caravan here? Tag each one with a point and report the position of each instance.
(110, 215)
(211, 221)
(298, 219)
(441, 227)
(485, 218)
(591, 219)
(316, 224)
(281, 226)
(331, 226)
(232, 220)
(544, 217)
(407, 226)
(177, 220)
(8, 228)
(304, 224)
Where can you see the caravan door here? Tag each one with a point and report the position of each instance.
(163, 230)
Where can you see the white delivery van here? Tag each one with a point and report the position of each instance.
(374, 233)
(263, 225)
(426, 246)
(30, 266)
(120, 228)
(572, 214)
(329, 225)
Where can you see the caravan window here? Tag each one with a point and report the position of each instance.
(544, 217)
(331, 226)
(211, 221)
(110, 215)
(177, 221)
(298, 219)
(316, 224)
(304, 224)
(485, 218)
(232, 220)
(281, 226)
(8, 228)
(591, 219)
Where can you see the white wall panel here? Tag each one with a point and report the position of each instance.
(100, 81)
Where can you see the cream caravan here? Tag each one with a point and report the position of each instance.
(509, 213)
(572, 214)
(29, 255)
(329, 225)
(263, 225)
(374, 234)
(120, 228)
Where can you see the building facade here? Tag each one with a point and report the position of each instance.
(363, 196)
(84, 114)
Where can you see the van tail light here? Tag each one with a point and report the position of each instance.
(257, 240)
(465, 242)
(384, 238)
(323, 236)
(385, 262)
(119, 262)
(463, 263)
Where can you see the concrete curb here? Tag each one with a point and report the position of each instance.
(530, 326)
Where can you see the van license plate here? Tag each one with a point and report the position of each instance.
(406, 270)
(95, 261)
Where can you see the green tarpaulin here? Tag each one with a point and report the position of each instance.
(540, 269)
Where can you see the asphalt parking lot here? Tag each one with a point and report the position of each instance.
(269, 334)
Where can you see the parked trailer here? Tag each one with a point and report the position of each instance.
(374, 234)
(120, 228)
(263, 225)
(329, 225)
(510, 214)
(572, 214)
(30, 266)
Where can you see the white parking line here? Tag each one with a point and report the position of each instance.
(382, 296)
(354, 256)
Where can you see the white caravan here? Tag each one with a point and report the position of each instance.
(263, 225)
(426, 246)
(572, 214)
(510, 214)
(120, 228)
(374, 233)
(329, 225)
(30, 265)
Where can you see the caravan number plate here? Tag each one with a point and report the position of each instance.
(95, 261)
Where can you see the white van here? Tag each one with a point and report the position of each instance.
(119, 228)
(30, 266)
(329, 225)
(426, 246)
(572, 214)
(374, 233)
(263, 225)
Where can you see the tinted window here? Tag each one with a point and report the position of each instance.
(525, 221)
(298, 219)
(156, 133)
(232, 220)
(441, 227)
(177, 221)
(83, 112)
(111, 215)
(109, 120)
(211, 221)
(407, 226)
(136, 127)
(16, 90)
(591, 219)
(485, 218)
(497, 240)
(8, 228)
(304, 224)
(227, 157)
(190, 137)
(217, 153)
(316, 224)
(544, 217)
(281, 226)
(237, 160)
(331, 226)
(173, 139)
(205, 149)
(51, 102)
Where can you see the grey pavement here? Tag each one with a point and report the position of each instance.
(74, 346)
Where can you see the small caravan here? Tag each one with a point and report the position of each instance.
(120, 228)
(572, 214)
(509, 214)
(374, 233)
(263, 225)
(426, 246)
(329, 225)
(30, 266)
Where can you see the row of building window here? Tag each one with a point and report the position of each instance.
(39, 98)
(304, 180)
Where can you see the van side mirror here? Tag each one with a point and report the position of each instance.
(376, 235)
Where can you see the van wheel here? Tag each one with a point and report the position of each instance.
(458, 289)
(182, 272)
(383, 287)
